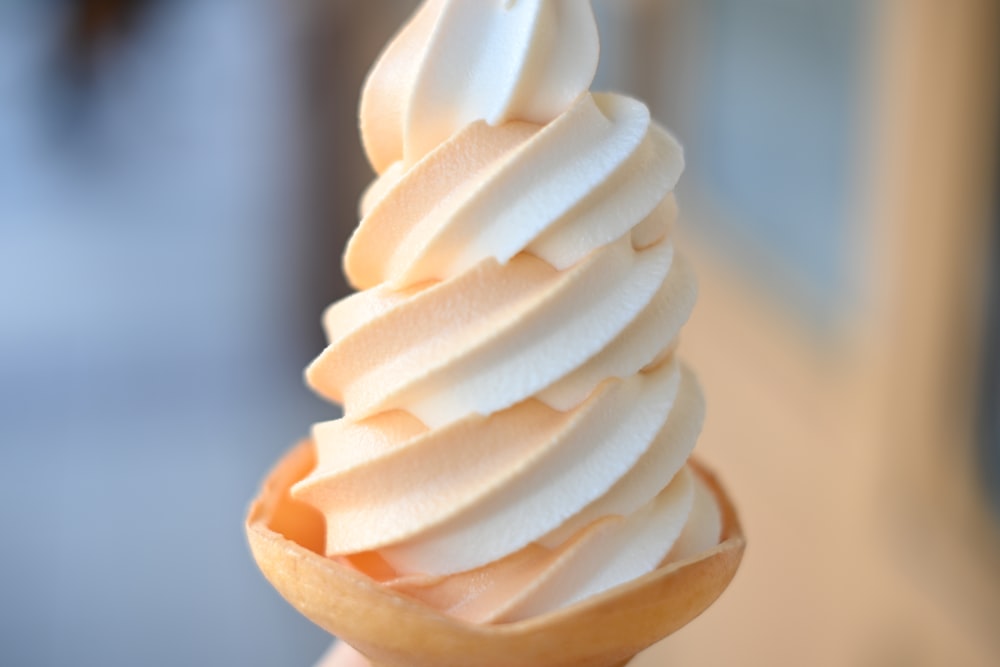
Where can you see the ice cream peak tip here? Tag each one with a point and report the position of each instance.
(459, 61)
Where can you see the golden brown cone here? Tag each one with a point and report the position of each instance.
(606, 630)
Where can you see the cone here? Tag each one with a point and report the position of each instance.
(606, 630)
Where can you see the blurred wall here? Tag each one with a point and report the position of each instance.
(150, 308)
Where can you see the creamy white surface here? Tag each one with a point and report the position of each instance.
(513, 411)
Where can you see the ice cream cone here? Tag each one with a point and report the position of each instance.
(286, 538)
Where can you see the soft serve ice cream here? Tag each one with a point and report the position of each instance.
(516, 427)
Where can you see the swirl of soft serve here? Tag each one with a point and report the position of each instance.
(515, 427)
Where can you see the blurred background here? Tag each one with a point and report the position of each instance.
(177, 181)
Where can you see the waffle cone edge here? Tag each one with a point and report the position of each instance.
(393, 630)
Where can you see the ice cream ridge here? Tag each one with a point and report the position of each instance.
(516, 428)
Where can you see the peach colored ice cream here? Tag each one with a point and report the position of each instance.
(516, 425)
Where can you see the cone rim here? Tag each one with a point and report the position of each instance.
(359, 610)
